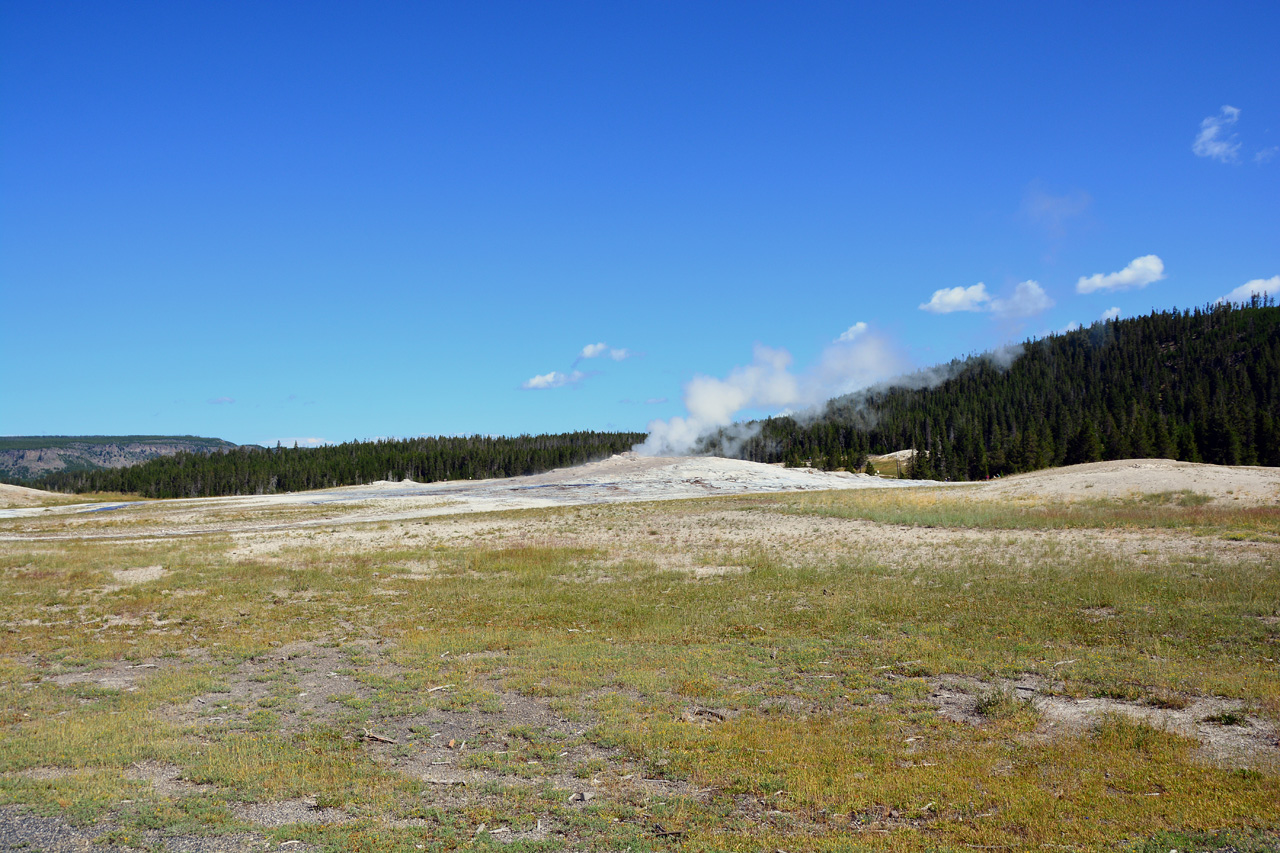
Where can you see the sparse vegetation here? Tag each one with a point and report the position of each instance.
(1004, 704)
(729, 674)
(1228, 718)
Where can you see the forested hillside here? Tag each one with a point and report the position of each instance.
(27, 456)
(257, 470)
(1200, 385)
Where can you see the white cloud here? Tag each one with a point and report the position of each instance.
(852, 332)
(1139, 273)
(554, 379)
(1266, 154)
(603, 349)
(1027, 300)
(1213, 141)
(947, 300)
(1257, 287)
(1111, 314)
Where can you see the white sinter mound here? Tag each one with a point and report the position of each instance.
(22, 496)
(629, 477)
(1128, 478)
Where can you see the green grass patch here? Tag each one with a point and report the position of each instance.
(784, 705)
(931, 507)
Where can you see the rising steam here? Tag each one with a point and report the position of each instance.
(857, 359)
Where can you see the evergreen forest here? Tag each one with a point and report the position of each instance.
(1198, 385)
(251, 470)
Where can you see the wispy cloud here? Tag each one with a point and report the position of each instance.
(221, 401)
(852, 332)
(558, 379)
(1215, 140)
(951, 299)
(1257, 287)
(1266, 155)
(1110, 314)
(603, 350)
(1139, 273)
(554, 379)
(1028, 299)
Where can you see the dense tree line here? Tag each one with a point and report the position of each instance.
(257, 470)
(1198, 385)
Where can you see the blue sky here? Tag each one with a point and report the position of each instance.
(266, 221)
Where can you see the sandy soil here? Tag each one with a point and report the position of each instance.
(12, 496)
(1126, 478)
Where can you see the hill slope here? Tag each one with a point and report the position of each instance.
(1198, 386)
(26, 457)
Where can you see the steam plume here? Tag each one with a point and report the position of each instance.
(851, 362)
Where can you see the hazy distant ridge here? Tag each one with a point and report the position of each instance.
(25, 457)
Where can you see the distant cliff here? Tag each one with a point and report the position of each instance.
(25, 457)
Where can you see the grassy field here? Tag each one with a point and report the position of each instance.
(908, 670)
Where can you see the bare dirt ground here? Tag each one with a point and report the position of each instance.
(1127, 478)
(463, 749)
(16, 496)
(957, 699)
(628, 478)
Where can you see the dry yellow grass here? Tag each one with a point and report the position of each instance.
(829, 671)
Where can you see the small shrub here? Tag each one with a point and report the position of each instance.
(1227, 718)
(1167, 700)
(263, 721)
(587, 769)
(1120, 692)
(1003, 704)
